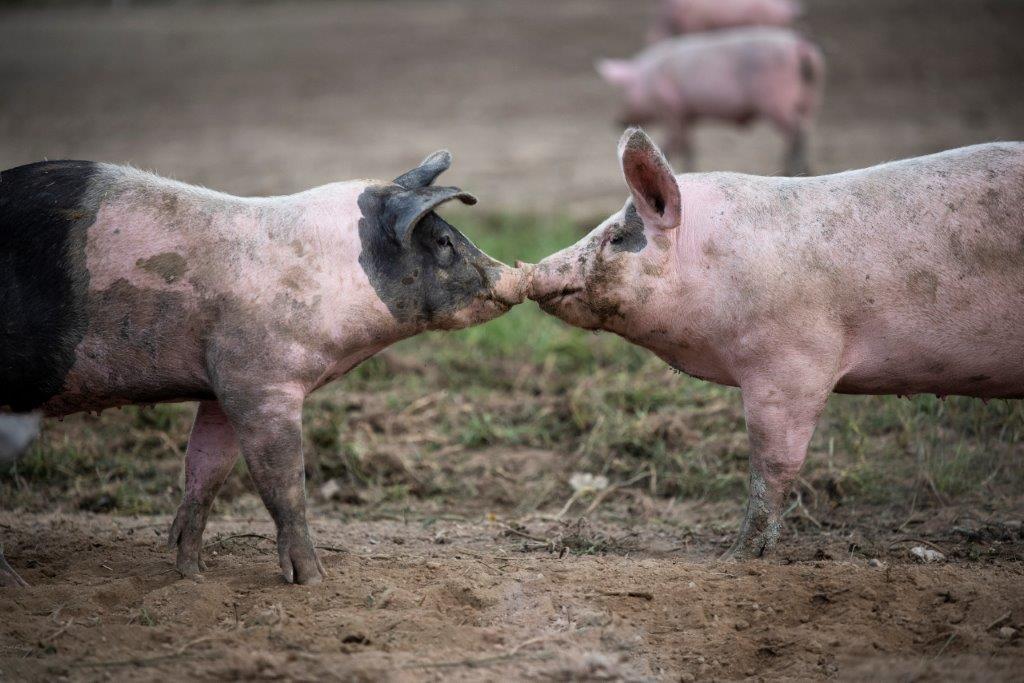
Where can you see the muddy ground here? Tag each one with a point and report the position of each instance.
(453, 597)
(484, 580)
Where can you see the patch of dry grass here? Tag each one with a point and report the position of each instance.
(413, 421)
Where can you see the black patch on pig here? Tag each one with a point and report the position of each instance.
(436, 273)
(629, 235)
(44, 215)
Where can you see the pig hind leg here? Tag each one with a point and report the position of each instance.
(8, 577)
(793, 126)
(780, 416)
(679, 144)
(212, 453)
(795, 161)
(269, 427)
(794, 120)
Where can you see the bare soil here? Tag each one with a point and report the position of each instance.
(443, 596)
(277, 97)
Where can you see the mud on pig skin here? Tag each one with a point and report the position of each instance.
(120, 287)
(902, 278)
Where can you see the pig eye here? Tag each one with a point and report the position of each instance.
(618, 239)
(443, 241)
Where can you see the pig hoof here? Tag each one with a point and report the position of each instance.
(750, 548)
(300, 564)
(190, 568)
(183, 537)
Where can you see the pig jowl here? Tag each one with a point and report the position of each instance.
(121, 287)
(897, 279)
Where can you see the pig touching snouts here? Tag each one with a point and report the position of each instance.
(902, 278)
(735, 76)
(120, 287)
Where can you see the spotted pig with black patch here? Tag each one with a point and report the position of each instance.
(120, 287)
(902, 278)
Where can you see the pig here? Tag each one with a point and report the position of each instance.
(902, 278)
(738, 76)
(676, 17)
(120, 287)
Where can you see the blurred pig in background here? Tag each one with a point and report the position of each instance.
(738, 76)
(676, 17)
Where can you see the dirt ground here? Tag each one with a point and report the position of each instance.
(278, 97)
(452, 597)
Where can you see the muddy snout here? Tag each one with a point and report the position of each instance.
(544, 285)
(513, 285)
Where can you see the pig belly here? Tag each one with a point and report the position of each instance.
(973, 356)
(141, 347)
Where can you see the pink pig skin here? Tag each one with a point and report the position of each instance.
(902, 278)
(693, 16)
(248, 305)
(736, 75)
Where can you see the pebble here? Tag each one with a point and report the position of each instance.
(926, 554)
(1007, 632)
(741, 625)
(876, 563)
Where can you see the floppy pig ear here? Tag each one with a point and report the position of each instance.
(406, 209)
(650, 180)
(428, 170)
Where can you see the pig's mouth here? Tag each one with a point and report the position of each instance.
(557, 295)
(496, 298)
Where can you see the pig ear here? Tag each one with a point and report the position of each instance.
(650, 180)
(406, 209)
(428, 170)
(615, 71)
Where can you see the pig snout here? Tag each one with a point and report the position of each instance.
(550, 281)
(513, 284)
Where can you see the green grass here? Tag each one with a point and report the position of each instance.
(407, 423)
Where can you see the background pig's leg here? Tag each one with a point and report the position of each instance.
(795, 162)
(212, 452)
(780, 421)
(8, 577)
(679, 145)
(269, 428)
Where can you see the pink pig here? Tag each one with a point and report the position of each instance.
(119, 287)
(737, 75)
(676, 17)
(902, 278)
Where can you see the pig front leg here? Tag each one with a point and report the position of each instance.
(269, 428)
(212, 452)
(780, 420)
(8, 577)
